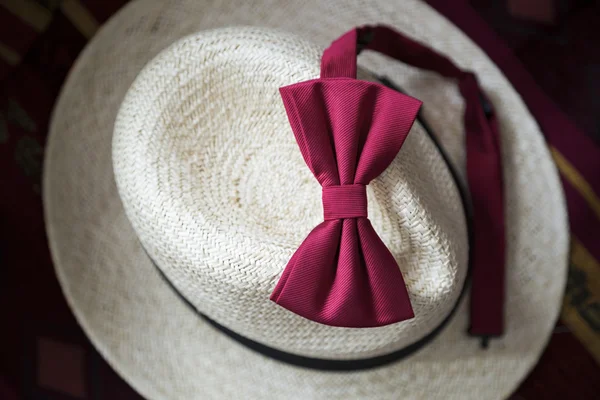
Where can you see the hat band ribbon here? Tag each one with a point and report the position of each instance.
(357, 364)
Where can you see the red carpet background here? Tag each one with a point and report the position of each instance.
(550, 50)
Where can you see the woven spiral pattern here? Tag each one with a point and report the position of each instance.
(161, 347)
(215, 186)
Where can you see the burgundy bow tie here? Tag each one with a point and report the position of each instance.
(349, 131)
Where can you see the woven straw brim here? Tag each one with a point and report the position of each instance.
(159, 345)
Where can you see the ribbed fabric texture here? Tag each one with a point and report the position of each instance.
(347, 201)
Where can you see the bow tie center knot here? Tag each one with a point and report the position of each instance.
(344, 201)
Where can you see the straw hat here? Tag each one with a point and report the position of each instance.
(175, 195)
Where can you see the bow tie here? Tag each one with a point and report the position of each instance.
(349, 131)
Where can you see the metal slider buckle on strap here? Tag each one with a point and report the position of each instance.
(486, 106)
(363, 40)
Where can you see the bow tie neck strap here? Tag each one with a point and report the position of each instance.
(339, 60)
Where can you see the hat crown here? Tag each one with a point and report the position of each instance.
(213, 182)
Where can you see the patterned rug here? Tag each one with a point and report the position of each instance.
(551, 54)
